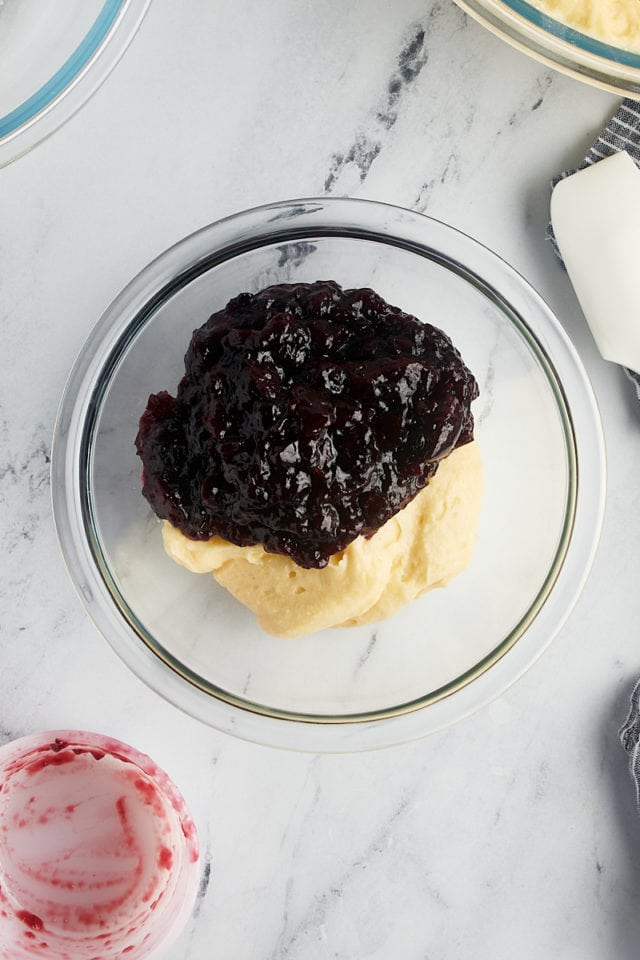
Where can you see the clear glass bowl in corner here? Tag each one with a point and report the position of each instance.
(53, 57)
(560, 46)
(443, 655)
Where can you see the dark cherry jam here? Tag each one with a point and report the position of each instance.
(307, 415)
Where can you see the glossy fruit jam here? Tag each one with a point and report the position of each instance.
(307, 415)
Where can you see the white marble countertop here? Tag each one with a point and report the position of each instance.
(512, 833)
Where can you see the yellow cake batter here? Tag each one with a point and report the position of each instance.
(616, 22)
(423, 546)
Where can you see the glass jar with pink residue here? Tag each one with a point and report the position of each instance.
(98, 852)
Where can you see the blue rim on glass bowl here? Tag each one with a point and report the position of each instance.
(558, 45)
(89, 47)
(445, 654)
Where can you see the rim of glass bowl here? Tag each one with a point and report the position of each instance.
(74, 82)
(286, 222)
(559, 46)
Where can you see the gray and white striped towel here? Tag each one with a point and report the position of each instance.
(621, 133)
(630, 739)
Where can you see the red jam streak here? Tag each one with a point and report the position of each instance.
(165, 858)
(30, 920)
(307, 415)
(52, 760)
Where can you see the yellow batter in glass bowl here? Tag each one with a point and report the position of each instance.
(615, 22)
(597, 41)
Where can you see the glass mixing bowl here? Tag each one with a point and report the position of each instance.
(443, 655)
(53, 57)
(559, 46)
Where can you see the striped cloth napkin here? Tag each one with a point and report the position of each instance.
(621, 133)
(630, 739)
